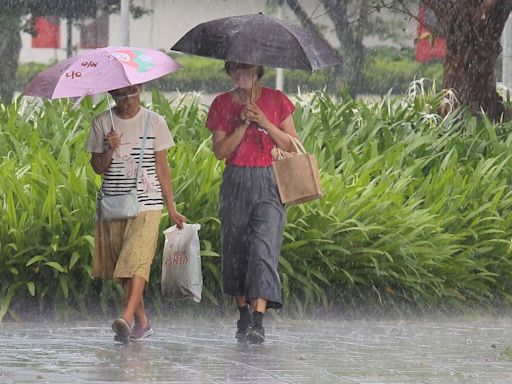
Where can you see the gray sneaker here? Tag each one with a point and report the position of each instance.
(124, 340)
(139, 334)
(121, 328)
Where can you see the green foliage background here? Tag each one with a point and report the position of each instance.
(416, 214)
(385, 69)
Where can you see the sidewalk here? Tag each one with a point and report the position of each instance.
(200, 351)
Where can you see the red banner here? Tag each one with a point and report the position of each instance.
(428, 47)
(47, 32)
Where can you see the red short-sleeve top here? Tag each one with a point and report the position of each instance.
(254, 149)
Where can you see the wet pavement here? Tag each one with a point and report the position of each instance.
(306, 351)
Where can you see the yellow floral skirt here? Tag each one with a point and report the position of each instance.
(126, 248)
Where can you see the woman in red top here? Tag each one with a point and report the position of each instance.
(246, 123)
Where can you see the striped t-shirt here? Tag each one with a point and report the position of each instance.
(120, 176)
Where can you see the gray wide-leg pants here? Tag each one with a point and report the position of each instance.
(252, 224)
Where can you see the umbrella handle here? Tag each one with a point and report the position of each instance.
(110, 110)
(252, 91)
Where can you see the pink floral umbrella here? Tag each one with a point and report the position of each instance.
(101, 70)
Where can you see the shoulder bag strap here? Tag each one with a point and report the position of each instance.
(143, 147)
(141, 155)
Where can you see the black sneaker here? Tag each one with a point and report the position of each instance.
(242, 327)
(256, 335)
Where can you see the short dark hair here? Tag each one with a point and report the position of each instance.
(230, 66)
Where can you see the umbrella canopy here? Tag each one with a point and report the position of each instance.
(259, 39)
(101, 70)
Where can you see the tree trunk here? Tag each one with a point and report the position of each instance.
(69, 38)
(470, 70)
(10, 46)
(351, 51)
(350, 36)
(303, 17)
(472, 29)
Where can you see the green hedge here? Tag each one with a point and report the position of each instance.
(27, 72)
(385, 69)
(392, 70)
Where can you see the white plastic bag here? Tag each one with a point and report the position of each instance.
(182, 277)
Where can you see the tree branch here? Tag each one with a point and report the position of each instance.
(337, 11)
(302, 15)
(442, 8)
(437, 5)
(400, 6)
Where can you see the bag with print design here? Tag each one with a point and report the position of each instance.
(182, 276)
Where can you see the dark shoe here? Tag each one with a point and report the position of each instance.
(256, 335)
(124, 340)
(139, 333)
(122, 329)
(242, 327)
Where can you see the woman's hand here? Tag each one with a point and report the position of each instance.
(114, 140)
(256, 115)
(243, 115)
(177, 217)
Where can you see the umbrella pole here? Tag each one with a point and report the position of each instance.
(110, 110)
(252, 90)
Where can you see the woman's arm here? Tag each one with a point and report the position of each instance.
(101, 161)
(163, 172)
(224, 145)
(280, 136)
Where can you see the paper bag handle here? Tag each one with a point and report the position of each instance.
(299, 148)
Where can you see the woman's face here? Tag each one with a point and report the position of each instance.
(127, 99)
(244, 78)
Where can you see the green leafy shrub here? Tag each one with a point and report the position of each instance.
(416, 212)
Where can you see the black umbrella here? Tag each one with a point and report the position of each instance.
(259, 39)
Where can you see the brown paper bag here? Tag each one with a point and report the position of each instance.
(297, 175)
